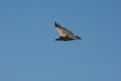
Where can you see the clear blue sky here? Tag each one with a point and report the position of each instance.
(28, 51)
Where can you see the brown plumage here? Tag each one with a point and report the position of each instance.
(65, 34)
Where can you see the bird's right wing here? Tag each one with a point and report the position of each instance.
(63, 32)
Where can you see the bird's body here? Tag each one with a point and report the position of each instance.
(65, 34)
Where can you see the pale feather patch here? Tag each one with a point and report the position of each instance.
(61, 32)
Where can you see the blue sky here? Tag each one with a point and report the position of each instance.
(28, 51)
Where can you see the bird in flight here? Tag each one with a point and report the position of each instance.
(65, 34)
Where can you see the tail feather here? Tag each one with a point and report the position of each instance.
(57, 24)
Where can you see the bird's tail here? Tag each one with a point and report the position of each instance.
(57, 24)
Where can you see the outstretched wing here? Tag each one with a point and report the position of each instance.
(63, 32)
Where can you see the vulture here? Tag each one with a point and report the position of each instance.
(65, 34)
